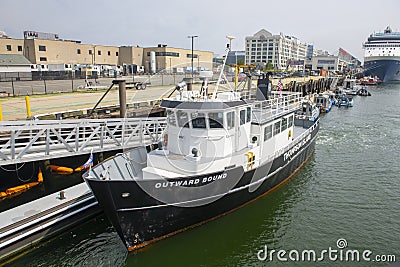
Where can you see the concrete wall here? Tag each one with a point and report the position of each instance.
(47, 52)
(130, 55)
(182, 60)
(69, 52)
(14, 68)
(14, 43)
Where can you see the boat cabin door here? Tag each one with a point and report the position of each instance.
(243, 128)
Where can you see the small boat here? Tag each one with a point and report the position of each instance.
(345, 101)
(350, 86)
(307, 115)
(363, 92)
(370, 80)
(350, 100)
(323, 102)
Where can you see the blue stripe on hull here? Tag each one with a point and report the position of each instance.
(386, 70)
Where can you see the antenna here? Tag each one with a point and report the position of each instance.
(214, 95)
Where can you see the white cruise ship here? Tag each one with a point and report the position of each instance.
(382, 55)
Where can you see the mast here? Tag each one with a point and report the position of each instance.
(214, 95)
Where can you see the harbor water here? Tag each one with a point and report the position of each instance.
(346, 198)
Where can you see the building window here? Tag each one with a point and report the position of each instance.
(42, 48)
(43, 59)
(109, 53)
(78, 51)
(99, 52)
(116, 54)
(190, 55)
(169, 54)
(8, 47)
(90, 52)
(20, 48)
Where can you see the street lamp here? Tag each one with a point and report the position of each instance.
(192, 37)
(230, 38)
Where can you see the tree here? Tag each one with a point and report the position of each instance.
(268, 66)
(240, 62)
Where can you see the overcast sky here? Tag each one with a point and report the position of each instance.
(326, 24)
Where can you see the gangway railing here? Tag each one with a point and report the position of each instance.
(26, 141)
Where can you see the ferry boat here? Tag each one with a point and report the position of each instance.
(219, 153)
(382, 55)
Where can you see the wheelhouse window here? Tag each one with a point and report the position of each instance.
(215, 120)
(283, 124)
(248, 114)
(277, 127)
(183, 119)
(242, 116)
(171, 117)
(198, 120)
(290, 121)
(267, 132)
(230, 120)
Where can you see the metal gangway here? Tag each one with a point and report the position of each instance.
(36, 140)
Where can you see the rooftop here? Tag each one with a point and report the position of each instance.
(12, 59)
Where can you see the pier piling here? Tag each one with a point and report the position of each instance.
(122, 97)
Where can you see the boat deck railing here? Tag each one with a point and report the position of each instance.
(278, 105)
(27, 141)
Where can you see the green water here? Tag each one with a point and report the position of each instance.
(348, 190)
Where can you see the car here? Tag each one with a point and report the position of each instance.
(242, 76)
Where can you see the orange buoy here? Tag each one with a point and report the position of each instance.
(20, 188)
(40, 176)
(78, 169)
(61, 169)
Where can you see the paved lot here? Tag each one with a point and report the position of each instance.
(14, 107)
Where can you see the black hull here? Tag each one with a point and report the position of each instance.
(139, 224)
(385, 69)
